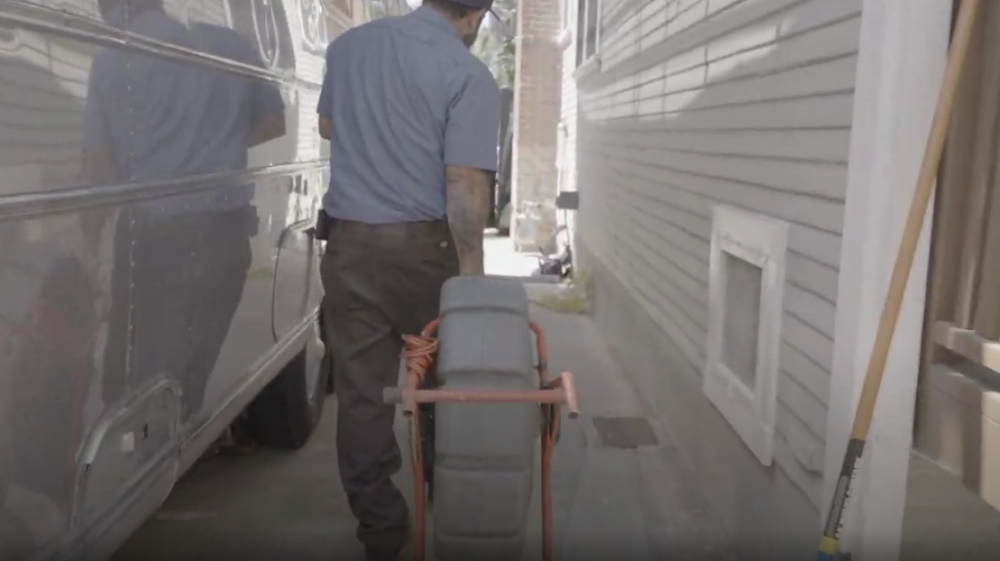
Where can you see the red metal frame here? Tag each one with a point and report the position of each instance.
(551, 394)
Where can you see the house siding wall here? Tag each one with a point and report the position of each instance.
(739, 102)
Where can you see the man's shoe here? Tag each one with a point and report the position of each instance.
(382, 553)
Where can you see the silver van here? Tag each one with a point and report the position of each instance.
(160, 171)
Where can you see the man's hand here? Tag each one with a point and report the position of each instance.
(468, 192)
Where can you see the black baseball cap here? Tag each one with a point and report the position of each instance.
(476, 4)
(483, 5)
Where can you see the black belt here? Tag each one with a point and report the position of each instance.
(325, 225)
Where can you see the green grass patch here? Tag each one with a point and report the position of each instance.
(574, 296)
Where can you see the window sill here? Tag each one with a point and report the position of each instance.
(589, 68)
(969, 345)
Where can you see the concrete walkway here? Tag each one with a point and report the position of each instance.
(501, 259)
(640, 503)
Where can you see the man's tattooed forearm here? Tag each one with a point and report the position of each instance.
(468, 210)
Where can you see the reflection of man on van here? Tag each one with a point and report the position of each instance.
(175, 118)
(181, 260)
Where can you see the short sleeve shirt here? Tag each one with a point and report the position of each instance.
(405, 98)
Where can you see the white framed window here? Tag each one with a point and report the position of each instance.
(588, 25)
(746, 287)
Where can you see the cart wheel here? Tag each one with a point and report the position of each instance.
(485, 453)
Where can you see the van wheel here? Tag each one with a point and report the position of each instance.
(287, 411)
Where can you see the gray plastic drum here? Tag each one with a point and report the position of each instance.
(485, 453)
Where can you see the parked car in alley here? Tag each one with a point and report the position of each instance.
(159, 177)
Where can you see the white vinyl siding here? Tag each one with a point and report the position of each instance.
(42, 98)
(745, 103)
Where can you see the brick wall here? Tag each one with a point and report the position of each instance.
(536, 118)
(568, 113)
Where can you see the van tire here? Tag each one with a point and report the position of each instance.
(283, 416)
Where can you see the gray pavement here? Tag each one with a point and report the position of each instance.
(642, 502)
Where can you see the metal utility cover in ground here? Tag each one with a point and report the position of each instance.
(625, 432)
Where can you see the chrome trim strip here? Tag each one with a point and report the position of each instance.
(65, 24)
(77, 198)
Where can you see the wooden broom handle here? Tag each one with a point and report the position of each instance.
(967, 15)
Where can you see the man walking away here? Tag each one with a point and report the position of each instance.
(412, 119)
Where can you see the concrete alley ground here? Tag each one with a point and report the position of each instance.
(619, 487)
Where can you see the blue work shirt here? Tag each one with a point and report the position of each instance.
(405, 98)
(160, 119)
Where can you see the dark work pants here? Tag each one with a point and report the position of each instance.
(381, 281)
